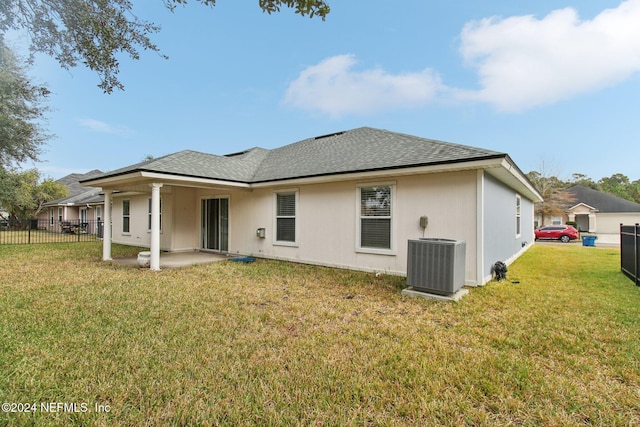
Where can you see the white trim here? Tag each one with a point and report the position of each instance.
(128, 232)
(227, 197)
(155, 227)
(383, 173)
(296, 193)
(518, 216)
(393, 219)
(480, 214)
(149, 214)
(168, 179)
(106, 231)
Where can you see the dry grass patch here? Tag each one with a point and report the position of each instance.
(273, 343)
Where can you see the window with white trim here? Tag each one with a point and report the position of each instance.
(286, 217)
(126, 216)
(375, 217)
(518, 215)
(556, 220)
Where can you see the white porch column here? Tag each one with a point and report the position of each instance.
(106, 230)
(155, 227)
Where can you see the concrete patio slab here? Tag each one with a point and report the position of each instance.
(177, 259)
(410, 292)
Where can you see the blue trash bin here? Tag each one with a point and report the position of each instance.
(588, 240)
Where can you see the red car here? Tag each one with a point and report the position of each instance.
(564, 233)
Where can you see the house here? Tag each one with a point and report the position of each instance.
(349, 199)
(82, 207)
(600, 213)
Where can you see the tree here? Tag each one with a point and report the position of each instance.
(21, 109)
(551, 188)
(582, 179)
(95, 32)
(619, 185)
(23, 195)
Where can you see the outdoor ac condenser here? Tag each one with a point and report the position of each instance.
(436, 265)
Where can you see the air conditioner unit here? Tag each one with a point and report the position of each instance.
(436, 265)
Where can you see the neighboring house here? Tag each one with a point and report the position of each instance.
(83, 206)
(350, 199)
(598, 212)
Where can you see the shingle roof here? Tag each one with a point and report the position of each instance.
(357, 150)
(361, 149)
(78, 194)
(237, 167)
(603, 202)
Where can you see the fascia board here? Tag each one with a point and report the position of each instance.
(113, 182)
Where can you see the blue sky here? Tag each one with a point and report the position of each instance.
(553, 84)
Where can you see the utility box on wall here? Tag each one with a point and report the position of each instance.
(436, 265)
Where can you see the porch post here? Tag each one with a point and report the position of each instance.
(155, 227)
(106, 231)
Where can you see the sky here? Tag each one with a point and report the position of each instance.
(555, 84)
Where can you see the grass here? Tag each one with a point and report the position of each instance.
(274, 343)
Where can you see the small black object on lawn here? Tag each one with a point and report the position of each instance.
(500, 270)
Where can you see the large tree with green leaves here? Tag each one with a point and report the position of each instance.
(95, 32)
(23, 194)
(22, 109)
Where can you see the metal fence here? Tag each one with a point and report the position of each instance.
(630, 251)
(31, 231)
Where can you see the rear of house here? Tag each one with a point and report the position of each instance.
(349, 200)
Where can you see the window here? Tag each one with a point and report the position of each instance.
(518, 215)
(286, 217)
(126, 216)
(375, 214)
(556, 220)
(52, 215)
(60, 214)
(149, 215)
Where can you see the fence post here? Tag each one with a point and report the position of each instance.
(636, 252)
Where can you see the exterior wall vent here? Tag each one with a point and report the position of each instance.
(436, 266)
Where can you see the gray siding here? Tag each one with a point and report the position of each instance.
(501, 241)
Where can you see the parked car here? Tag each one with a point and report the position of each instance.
(564, 233)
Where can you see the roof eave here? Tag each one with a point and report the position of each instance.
(483, 162)
(134, 176)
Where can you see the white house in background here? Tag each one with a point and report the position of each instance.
(83, 206)
(600, 213)
(350, 199)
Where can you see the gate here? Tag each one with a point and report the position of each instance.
(31, 231)
(630, 251)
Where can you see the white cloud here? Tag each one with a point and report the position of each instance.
(523, 62)
(334, 88)
(102, 127)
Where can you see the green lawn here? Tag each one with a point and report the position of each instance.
(273, 343)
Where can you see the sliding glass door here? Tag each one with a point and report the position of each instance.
(215, 224)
